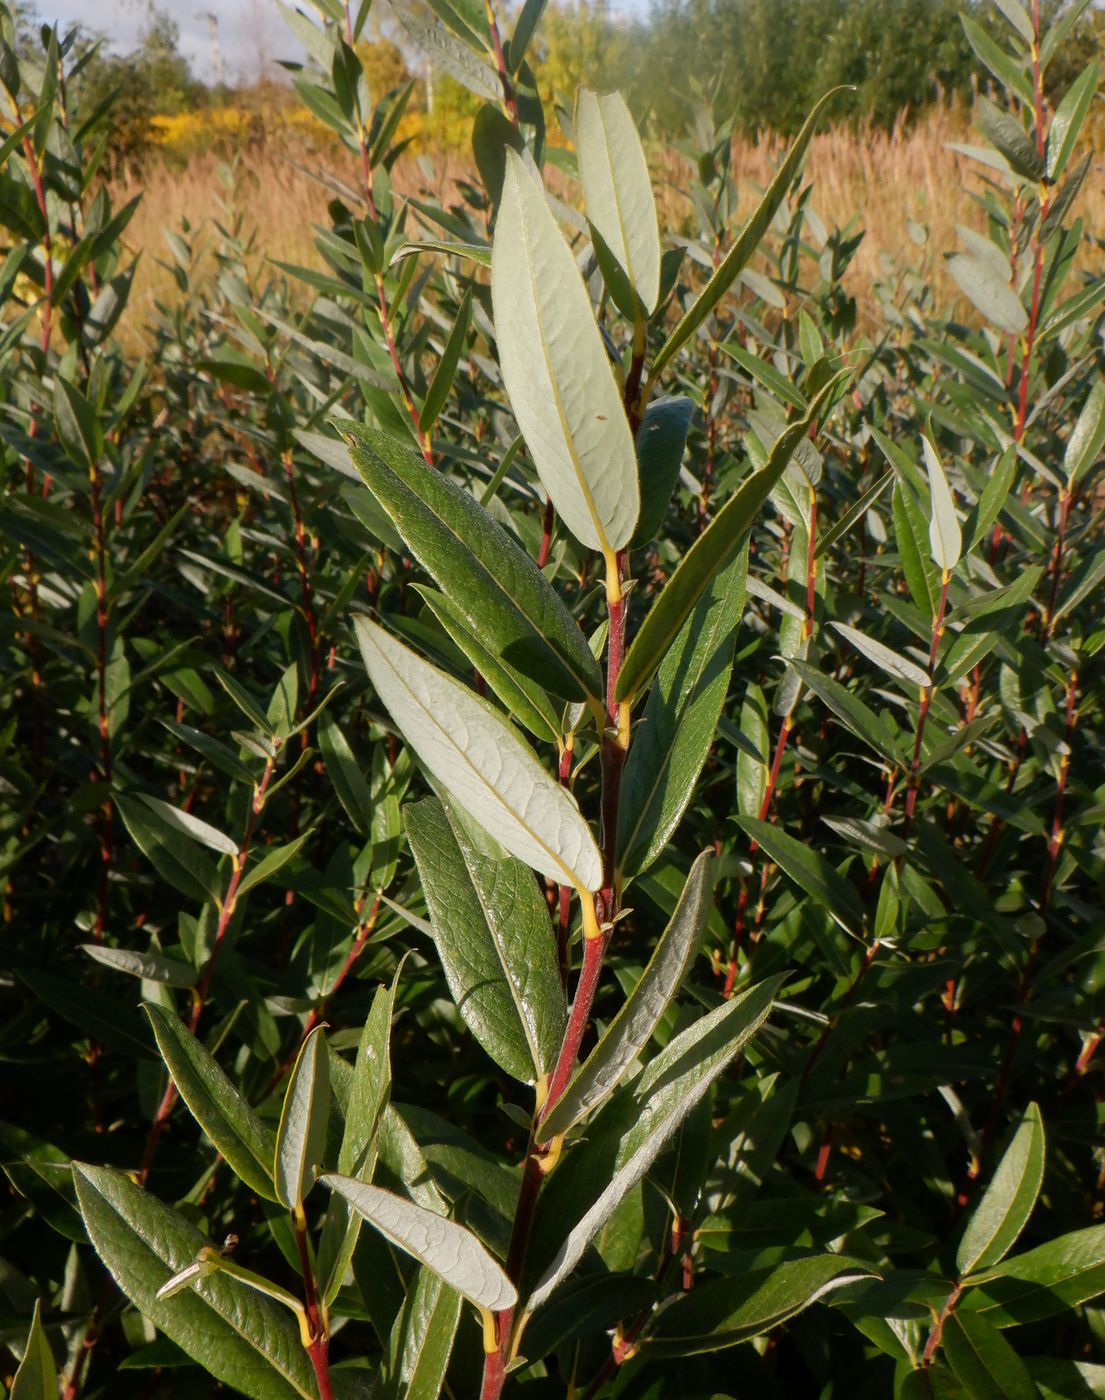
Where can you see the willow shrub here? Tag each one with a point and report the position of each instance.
(552, 800)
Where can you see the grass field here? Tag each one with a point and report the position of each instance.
(907, 176)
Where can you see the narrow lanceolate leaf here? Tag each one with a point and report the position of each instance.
(344, 772)
(1042, 1282)
(1087, 437)
(236, 1334)
(422, 1340)
(491, 928)
(747, 241)
(1003, 1212)
(811, 872)
(188, 825)
(994, 297)
(482, 762)
(892, 662)
(672, 1085)
(511, 607)
(369, 1095)
(629, 1032)
(944, 533)
(445, 372)
(727, 1311)
(37, 1377)
(713, 549)
(301, 1136)
(983, 1361)
(617, 190)
(217, 1106)
(661, 442)
(556, 370)
(864, 723)
(152, 967)
(175, 857)
(370, 1090)
(673, 740)
(525, 700)
(453, 1252)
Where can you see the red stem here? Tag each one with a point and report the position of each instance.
(318, 1350)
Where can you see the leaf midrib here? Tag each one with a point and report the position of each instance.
(513, 604)
(558, 401)
(571, 877)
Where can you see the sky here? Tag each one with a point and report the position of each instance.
(251, 32)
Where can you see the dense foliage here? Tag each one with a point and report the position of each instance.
(551, 825)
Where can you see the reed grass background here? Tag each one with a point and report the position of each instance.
(890, 185)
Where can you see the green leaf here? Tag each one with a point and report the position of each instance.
(482, 762)
(1003, 66)
(239, 374)
(37, 1377)
(525, 700)
(108, 1019)
(492, 932)
(1063, 23)
(713, 549)
(369, 1095)
(78, 425)
(1003, 1211)
(944, 533)
(344, 772)
(629, 1032)
(892, 662)
(989, 291)
(724, 1312)
(1011, 139)
(479, 253)
(274, 859)
(422, 1340)
(507, 602)
(661, 441)
(235, 1334)
(453, 1252)
(909, 533)
(445, 373)
(1082, 581)
(235, 1130)
(1087, 437)
(1066, 124)
(777, 384)
(191, 826)
(984, 1362)
(1019, 18)
(1067, 1380)
(151, 967)
(370, 1089)
(864, 723)
(673, 738)
(301, 1136)
(617, 190)
(557, 373)
(451, 54)
(747, 242)
(811, 872)
(173, 855)
(999, 482)
(1062, 1274)
(672, 1085)
(753, 755)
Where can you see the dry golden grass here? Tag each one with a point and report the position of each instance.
(874, 180)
